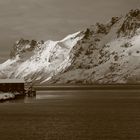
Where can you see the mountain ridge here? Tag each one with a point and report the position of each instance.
(103, 53)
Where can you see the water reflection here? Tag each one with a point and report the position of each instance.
(78, 94)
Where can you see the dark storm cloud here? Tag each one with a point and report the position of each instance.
(53, 19)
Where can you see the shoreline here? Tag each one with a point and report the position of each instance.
(90, 87)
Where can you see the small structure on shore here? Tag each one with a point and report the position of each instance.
(29, 90)
(12, 85)
(17, 86)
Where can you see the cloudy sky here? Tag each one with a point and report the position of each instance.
(53, 19)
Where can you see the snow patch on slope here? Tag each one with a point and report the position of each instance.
(44, 62)
(104, 53)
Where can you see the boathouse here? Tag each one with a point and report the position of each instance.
(12, 85)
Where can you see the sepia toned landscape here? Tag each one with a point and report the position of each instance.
(70, 70)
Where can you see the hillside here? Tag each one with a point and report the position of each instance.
(103, 53)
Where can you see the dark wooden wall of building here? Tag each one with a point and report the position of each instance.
(12, 87)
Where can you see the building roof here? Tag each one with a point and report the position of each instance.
(12, 81)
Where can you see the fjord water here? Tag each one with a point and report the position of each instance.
(73, 115)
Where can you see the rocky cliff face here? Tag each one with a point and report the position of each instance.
(108, 53)
(38, 61)
(103, 53)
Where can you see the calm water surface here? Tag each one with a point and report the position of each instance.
(72, 115)
(81, 95)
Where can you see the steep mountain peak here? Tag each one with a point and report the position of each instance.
(39, 60)
(108, 53)
(127, 27)
(102, 53)
(23, 46)
(130, 24)
(134, 13)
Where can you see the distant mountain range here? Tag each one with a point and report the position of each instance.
(103, 53)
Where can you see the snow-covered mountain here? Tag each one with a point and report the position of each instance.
(39, 61)
(103, 53)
